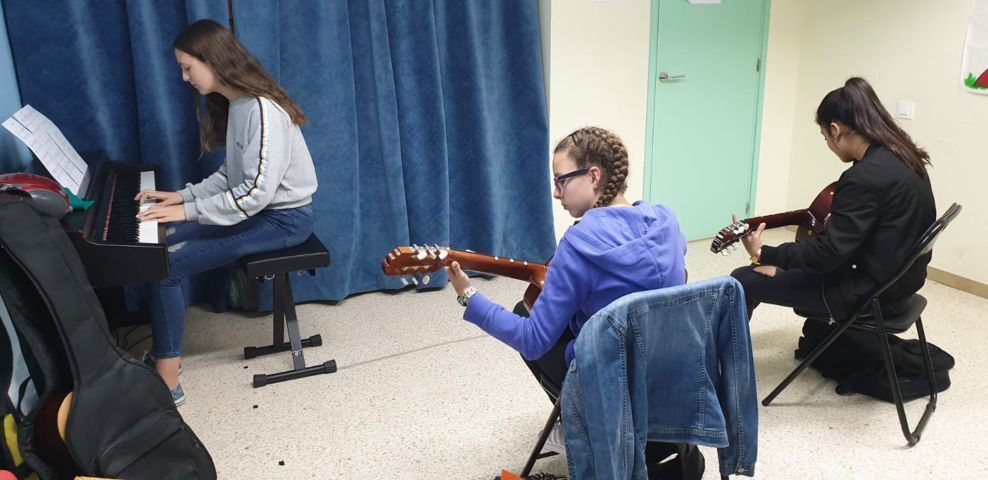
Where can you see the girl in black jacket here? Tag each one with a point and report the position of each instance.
(882, 204)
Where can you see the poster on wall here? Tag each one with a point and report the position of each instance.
(974, 67)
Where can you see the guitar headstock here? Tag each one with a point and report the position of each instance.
(727, 238)
(415, 261)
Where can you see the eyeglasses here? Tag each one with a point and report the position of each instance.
(560, 181)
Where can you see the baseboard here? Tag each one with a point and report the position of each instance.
(963, 284)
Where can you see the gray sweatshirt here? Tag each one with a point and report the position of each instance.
(267, 165)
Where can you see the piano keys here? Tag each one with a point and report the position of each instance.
(114, 246)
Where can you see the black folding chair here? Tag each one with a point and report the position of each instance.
(869, 317)
(543, 436)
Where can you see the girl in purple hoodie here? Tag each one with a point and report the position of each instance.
(616, 248)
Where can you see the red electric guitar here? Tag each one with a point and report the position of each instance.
(419, 261)
(809, 222)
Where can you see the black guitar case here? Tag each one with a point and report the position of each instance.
(122, 422)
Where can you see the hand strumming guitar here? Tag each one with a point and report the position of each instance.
(753, 244)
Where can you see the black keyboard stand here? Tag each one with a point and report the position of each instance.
(276, 266)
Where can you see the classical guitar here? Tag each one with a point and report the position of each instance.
(809, 222)
(419, 261)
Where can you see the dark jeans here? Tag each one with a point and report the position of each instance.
(195, 248)
(550, 371)
(788, 288)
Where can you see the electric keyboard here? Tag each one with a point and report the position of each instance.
(114, 246)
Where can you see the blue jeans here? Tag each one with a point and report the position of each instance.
(195, 248)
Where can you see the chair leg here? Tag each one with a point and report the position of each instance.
(913, 436)
(809, 359)
(546, 430)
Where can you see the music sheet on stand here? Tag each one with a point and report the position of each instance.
(51, 147)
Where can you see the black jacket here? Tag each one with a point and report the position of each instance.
(880, 208)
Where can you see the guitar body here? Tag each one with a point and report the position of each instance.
(817, 214)
(531, 295)
(49, 435)
(809, 223)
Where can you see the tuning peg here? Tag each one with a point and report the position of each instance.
(422, 254)
(443, 254)
(415, 281)
(425, 279)
(403, 281)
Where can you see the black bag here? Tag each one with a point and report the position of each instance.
(854, 360)
(122, 422)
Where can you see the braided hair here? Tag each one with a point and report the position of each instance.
(594, 146)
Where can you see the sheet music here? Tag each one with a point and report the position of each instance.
(50, 146)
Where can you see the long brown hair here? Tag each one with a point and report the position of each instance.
(857, 106)
(235, 67)
(594, 146)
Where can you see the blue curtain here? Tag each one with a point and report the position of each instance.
(13, 154)
(427, 119)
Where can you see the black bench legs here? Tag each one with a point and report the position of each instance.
(277, 266)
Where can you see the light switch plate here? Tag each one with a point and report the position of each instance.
(905, 109)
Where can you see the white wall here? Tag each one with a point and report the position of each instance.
(907, 49)
(779, 115)
(598, 53)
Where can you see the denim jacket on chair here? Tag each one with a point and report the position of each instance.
(671, 365)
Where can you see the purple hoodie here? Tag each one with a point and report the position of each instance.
(612, 252)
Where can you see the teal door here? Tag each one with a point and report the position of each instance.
(704, 97)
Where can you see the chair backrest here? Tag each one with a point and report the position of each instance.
(922, 247)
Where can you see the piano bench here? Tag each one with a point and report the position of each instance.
(276, 265)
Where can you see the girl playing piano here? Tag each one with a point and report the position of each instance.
(258, 200)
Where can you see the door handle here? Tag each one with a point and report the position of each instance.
(665, 77)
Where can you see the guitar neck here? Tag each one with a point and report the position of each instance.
(533, 273)
(795, 217)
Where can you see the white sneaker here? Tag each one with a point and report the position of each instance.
(556, 442)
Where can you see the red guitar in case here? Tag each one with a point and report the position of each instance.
(47, 195)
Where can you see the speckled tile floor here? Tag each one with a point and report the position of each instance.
(422, 394)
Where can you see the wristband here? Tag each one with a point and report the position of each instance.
(756, 259)
(467, 295)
